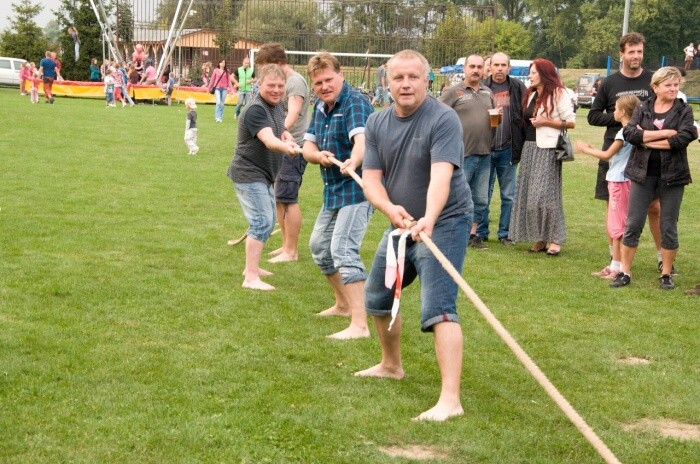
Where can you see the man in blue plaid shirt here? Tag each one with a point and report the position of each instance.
(337, 130)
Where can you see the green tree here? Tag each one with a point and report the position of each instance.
(668, 27)
(204, 13)
(52, 31)
(124, 27)
(295, 25)
(79, 13)
(602, 32)
(492, 35)
(556, 28)
(24, 39)
(225, 23)
(449, 41)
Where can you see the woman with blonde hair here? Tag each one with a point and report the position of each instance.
(661, 130)
(538, 209)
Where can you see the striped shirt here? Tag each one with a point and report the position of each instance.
(333, 132)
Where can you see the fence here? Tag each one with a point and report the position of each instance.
(228, 29)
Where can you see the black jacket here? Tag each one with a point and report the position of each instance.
(516, 90)
(674, 162)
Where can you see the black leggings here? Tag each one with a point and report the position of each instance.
(641, 196)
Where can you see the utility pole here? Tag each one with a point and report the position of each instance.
(626, 20)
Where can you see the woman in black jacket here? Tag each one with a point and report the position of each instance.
(660, 129)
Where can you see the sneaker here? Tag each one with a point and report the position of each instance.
(478, 243)
(505, 241)
(666, 282)
(621, 279)
(674, 271)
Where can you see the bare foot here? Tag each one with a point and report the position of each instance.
(283, 258)
(335, 311)
(350, 333)
(440, 413)
(380, 371)
(257, 284)
(275, 252)
(261, 272)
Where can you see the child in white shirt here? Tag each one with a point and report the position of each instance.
(191, 126)
(618, 186)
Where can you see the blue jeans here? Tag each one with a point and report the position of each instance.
(336, 239)
(126, 94)
(220, 95)
(438, 291)
(243, 99)
(258, 203)
(477, 169)
(506, 173)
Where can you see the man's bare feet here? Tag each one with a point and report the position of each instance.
(440, 413)
(282, 258)
(350, 333)
(380, 371)
(261, 272)
(257, 284)
(276, 252)
(335, 311)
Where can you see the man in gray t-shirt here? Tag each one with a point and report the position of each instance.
(288, 181)
(412, 169)
(472, 100)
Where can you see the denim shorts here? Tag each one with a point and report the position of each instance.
(258, 203)
(336, 239)
(438, 291)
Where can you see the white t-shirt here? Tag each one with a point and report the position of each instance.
(689, 52)
(618, 163)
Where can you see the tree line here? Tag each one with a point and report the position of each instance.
(572, 34)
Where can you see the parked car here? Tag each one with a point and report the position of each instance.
(585, 88)
(9, 70)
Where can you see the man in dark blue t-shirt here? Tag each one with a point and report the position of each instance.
(47, 70)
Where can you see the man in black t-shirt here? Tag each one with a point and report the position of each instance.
(261, 139)
(632, 79)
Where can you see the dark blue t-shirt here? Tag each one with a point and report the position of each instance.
(48, 67)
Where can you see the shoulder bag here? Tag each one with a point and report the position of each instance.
(564, 149)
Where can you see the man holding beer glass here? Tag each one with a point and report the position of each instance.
(473, 103)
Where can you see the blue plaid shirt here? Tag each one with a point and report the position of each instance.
(333, 132)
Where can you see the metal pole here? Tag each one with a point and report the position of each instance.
(626, 20)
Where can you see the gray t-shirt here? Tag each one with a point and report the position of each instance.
(472, 108)
(252, 161)
(191, 122)
(296, 86)
(405, 148)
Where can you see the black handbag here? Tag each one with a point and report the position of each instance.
(213, 87)
(564, 148)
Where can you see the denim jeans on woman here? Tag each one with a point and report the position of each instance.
(220, 95)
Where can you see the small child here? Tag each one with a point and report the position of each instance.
(109, 89)
(168, 88)
(618, 185)
(35, 84)
(191, 126)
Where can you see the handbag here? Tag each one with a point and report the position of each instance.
(564, 148)
(213, 87)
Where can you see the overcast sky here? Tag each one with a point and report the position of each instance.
(42, 18)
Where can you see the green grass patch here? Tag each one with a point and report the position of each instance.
(125, 335)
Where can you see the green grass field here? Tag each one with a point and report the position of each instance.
(125, 336)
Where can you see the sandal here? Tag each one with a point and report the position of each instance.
(538, 249)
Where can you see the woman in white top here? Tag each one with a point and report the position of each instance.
(538, 209)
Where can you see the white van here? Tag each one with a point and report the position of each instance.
(9, 70)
